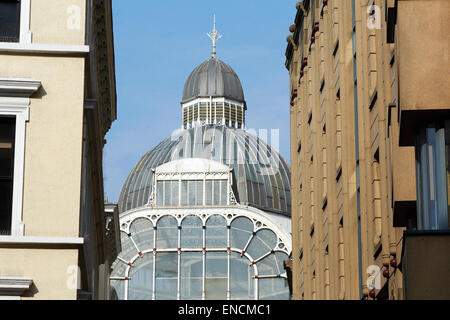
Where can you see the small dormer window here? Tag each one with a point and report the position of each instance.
(9, 20)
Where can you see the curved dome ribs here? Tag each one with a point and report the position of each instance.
(213, 94)
(213, 78)
(261, 173)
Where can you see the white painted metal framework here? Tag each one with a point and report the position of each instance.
(199, 249)
(201, 253)
(221, 111)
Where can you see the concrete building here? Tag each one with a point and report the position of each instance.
(57, 101)
(369, 144)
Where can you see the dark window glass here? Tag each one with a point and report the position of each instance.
(7, 135)
(9, 20)
(431, 178)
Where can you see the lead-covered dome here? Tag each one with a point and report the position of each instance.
(213, 78)
(261, 175)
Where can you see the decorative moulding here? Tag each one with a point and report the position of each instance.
(17, 87)
(14, 286)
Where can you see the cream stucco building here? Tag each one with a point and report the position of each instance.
(57, 101)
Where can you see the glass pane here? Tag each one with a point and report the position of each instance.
(273, 289)
(208, 193)
(224, 192)
(216, 192)
(167, 189)
(167, 233)
(128, 248)
(240, 232)
(191, 275)
(184, 193)
(7, 137)
(142, 232)
(174, 192)
(241, 278)
(140, 286)
(166, 275)
(160, 193)
(216, 232)
(199, 192)
(192, 233)
(268, 266)
(191, 192)
(216, 275)
(9, 21)
(117, 290)
(263, 242)
(118, 269)
(281, 257)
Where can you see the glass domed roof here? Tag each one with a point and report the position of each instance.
(213, 78)
(261, 175)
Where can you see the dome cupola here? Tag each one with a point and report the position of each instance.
(213, 94)
(213, 78)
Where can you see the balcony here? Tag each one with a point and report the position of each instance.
(426, 265)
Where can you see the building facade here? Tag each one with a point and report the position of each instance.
(369, 99)
(206, 213)
(57, 101)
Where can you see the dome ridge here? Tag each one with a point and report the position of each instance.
(213, 78)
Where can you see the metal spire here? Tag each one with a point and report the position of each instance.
(214, 36)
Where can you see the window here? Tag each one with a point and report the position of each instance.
(14, 110)
(7, 137)
(431, 176)
(216, 193)
(9, 20)
(195, 259)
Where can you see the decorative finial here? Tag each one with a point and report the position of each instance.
(214, 36)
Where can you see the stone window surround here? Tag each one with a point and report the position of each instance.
(15, 96)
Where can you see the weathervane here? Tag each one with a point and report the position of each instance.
(214, 36)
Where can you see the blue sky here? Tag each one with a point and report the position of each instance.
(159, 43)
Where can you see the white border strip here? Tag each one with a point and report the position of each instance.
(40, 240)
(43, 48)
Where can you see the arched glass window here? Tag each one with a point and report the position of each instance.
(167, 233)
(198, 256)
(216, 232)
(128, 248)
(241, 232)
(263, 242)
(142, 232)
(192, 232)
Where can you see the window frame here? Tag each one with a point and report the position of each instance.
(8, 178)
(14, 102)
(24, 23)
